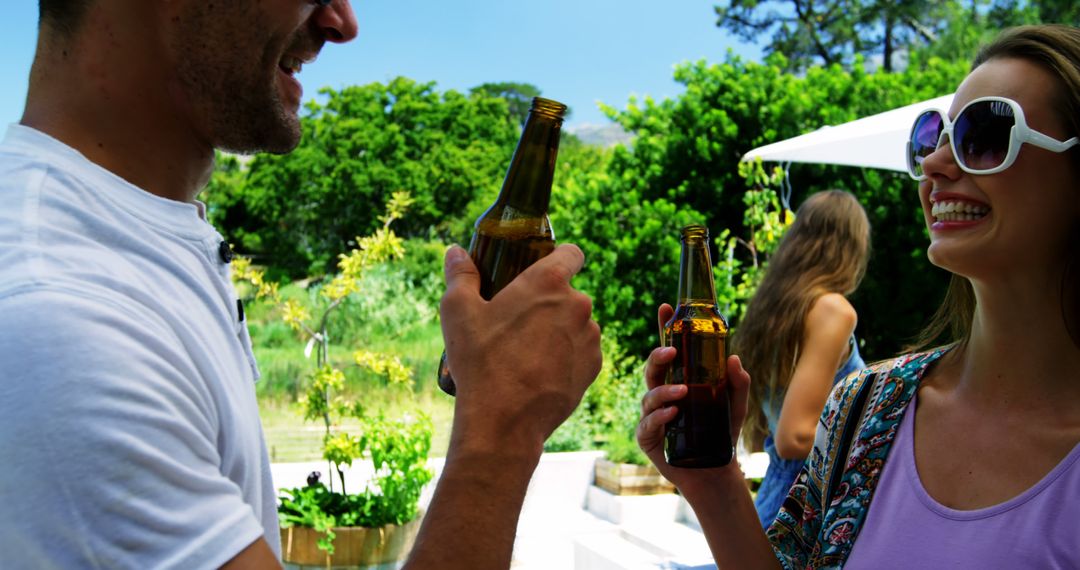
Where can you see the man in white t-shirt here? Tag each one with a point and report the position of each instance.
(129, 431)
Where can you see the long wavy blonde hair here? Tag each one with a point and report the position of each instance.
(825, 250)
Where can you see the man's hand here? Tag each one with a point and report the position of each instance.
(522, 360)
(521, 363)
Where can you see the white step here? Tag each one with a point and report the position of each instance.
(678, 545)
(623, 509)
(612, 551)
(546, 533)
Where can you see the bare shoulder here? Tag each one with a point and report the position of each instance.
(832, 310)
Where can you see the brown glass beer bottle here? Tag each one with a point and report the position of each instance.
(515, 231)
(700, 434)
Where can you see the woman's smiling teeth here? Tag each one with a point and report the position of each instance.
(956, 211)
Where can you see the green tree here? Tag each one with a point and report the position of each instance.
(832, 31)
(684, 166)
(835, 31)
(298, 212)
(1015, 12)
(518, 96)
(630, 240)
(966, 26)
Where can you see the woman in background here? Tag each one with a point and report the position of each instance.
(797, 337)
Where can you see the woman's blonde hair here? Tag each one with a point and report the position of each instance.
(825, 250)
(1056, 48)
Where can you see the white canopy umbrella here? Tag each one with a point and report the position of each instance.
(877, 141)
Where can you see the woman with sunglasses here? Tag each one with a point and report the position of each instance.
(965, 455)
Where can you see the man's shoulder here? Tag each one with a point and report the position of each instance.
(34, 313)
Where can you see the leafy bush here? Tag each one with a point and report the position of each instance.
(391, 307)
(766, 221)
(399, 450)
(622, 447)
(297, 212)
(625, 205)
(575, 434)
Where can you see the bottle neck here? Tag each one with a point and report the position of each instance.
(695, 273)
(527, 186)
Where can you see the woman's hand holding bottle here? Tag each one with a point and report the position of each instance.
(656, 411)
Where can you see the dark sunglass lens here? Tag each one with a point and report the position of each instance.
(982, 134)
(924, 138)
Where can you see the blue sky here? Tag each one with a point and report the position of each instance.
(576, 51)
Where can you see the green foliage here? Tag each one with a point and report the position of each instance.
(622, 447)
(297, 212)
(630, 242)
(684, 165)
(518, 96)
(766, 222)
(610, 410)
(423, 269)
(830, 32)
(963, 27)
(393, 304)
(317, 507)
(398, 450)
(577, 433)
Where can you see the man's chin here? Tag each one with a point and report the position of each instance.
(281, 137)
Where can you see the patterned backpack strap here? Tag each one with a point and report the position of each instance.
(852, 426)
(854, 474)
(827, 504)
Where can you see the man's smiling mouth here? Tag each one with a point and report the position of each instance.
(290, 65)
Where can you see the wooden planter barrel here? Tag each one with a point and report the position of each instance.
(627, 479)
(354, 547)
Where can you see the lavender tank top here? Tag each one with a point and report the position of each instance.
(906, 528)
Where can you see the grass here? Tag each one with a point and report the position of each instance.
(292, 439)
(280, 354)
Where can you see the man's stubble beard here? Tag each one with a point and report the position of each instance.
(237, 102)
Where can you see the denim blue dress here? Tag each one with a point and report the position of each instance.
(782, 472)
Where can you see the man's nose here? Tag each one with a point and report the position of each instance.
(336, 20)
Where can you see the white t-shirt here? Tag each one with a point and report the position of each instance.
(129, 429)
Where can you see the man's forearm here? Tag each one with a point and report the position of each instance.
(472, 520)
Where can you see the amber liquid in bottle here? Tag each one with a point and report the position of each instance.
(700, 434)
(515, 231)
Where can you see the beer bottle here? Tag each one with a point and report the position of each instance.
(700, 434)
(515, 231)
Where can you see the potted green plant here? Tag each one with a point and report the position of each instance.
(375, 525)
(626, 471)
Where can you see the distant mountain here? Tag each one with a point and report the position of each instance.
(606, 135)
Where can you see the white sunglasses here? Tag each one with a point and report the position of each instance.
(985, 138)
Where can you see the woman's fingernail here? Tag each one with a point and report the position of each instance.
(455, 254)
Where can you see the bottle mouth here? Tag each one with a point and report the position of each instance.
(695, 232)
(548, 108)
